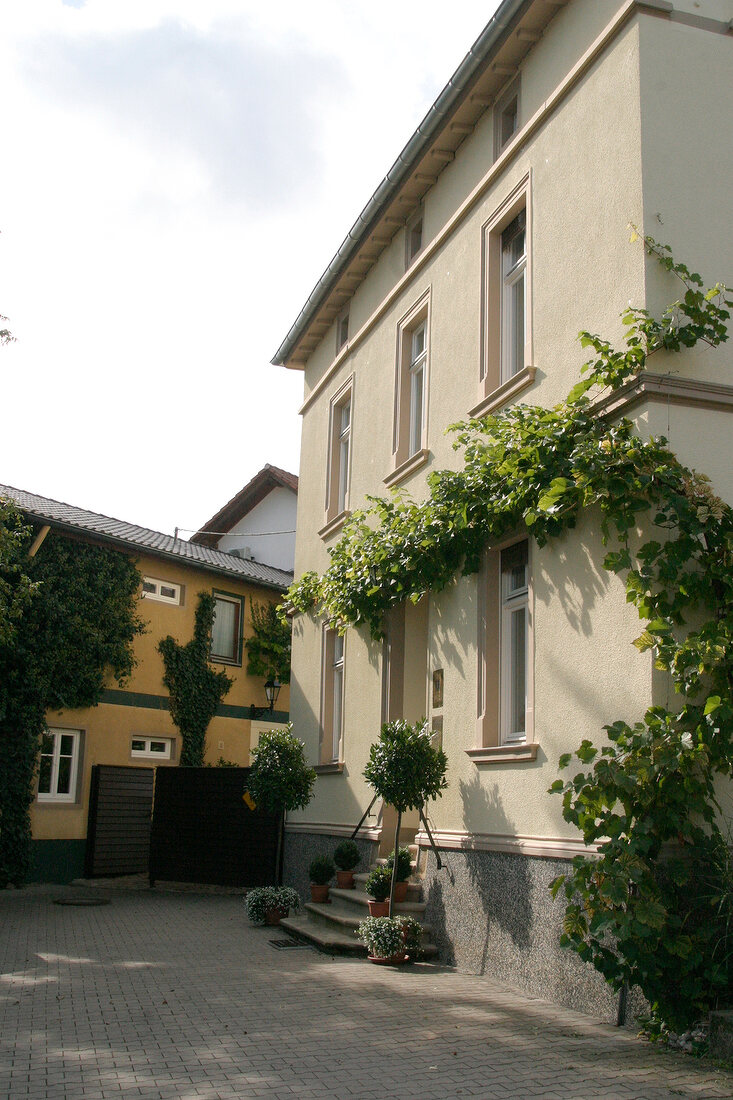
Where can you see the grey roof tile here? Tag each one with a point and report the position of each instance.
(131, 536)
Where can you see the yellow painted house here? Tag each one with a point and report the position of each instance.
(132, 726)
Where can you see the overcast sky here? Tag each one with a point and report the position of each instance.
(174, 177)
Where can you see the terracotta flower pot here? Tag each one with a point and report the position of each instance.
(345, 880)
(400, 892)
(319, 893)
(272, 916)
(392, 960)
(378, 908)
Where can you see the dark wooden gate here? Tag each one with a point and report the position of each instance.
(204, 832)
(118, 827)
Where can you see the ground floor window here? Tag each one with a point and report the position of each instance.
(160, 747)
(59, 765)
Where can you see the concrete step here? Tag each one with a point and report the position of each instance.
(347, 920)
(359, 900)
(332, 937)
(414, 889)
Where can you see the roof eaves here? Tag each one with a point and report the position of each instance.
(410, 155)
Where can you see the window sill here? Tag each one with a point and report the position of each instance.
(406, 468)
(336, 767)
(334, 525)
(225, 661)
(505, 392)
(504, 754)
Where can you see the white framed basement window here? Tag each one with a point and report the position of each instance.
(163, 591)
(159, 748)
(59, 765)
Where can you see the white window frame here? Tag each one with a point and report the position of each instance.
(412, 390)
(157, 593)
(513, 355)
(220, 658)
(514, 601)
(53, 794)
(496, 386)
(338, 473)
(148, 751)
(418, 372)
(333, 654)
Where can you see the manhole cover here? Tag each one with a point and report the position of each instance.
(81, 901)
(285, 945)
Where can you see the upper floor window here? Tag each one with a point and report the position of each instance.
(411, 384)
(339, 453)
(506, 117)
(513, 296)
(506, 302)
(164, 591)
(417, 369)
(59, 765)
(413, 237)
(226, 633)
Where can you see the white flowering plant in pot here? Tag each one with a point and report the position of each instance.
(266, 900)
(382, 936)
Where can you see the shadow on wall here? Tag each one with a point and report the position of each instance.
(474, 899)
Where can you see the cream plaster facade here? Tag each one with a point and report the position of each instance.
(623, 118)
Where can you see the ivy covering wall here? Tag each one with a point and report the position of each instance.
(71, 624)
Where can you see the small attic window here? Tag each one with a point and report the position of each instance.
(342, 330)
(163, 591)
(506, 117)
(413, 237)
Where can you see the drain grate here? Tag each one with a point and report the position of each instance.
(83, 901)
(285, 945)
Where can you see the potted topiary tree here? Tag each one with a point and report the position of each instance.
(346, 857)
(279, 779)
(384, 940)
(321, 872)
(405, 770)
(377, 886)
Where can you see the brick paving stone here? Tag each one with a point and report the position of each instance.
(161, 996)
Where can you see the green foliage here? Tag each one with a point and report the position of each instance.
(16, 586)
(222, 763)
(412, 935)
(264, 899)
(268, 648)
(378, 883)
(404, 863)
(636, 915)
(382, 936)
(321, 870)
(347, 855)
(76, 624)
(280, 778)
(195, 688)
(404, 768)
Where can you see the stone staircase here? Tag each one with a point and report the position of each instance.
(332, 926)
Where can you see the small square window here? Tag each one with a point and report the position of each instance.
(157, 747)
(162, 591)
(226, 633)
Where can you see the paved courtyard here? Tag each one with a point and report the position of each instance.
(161, 994)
